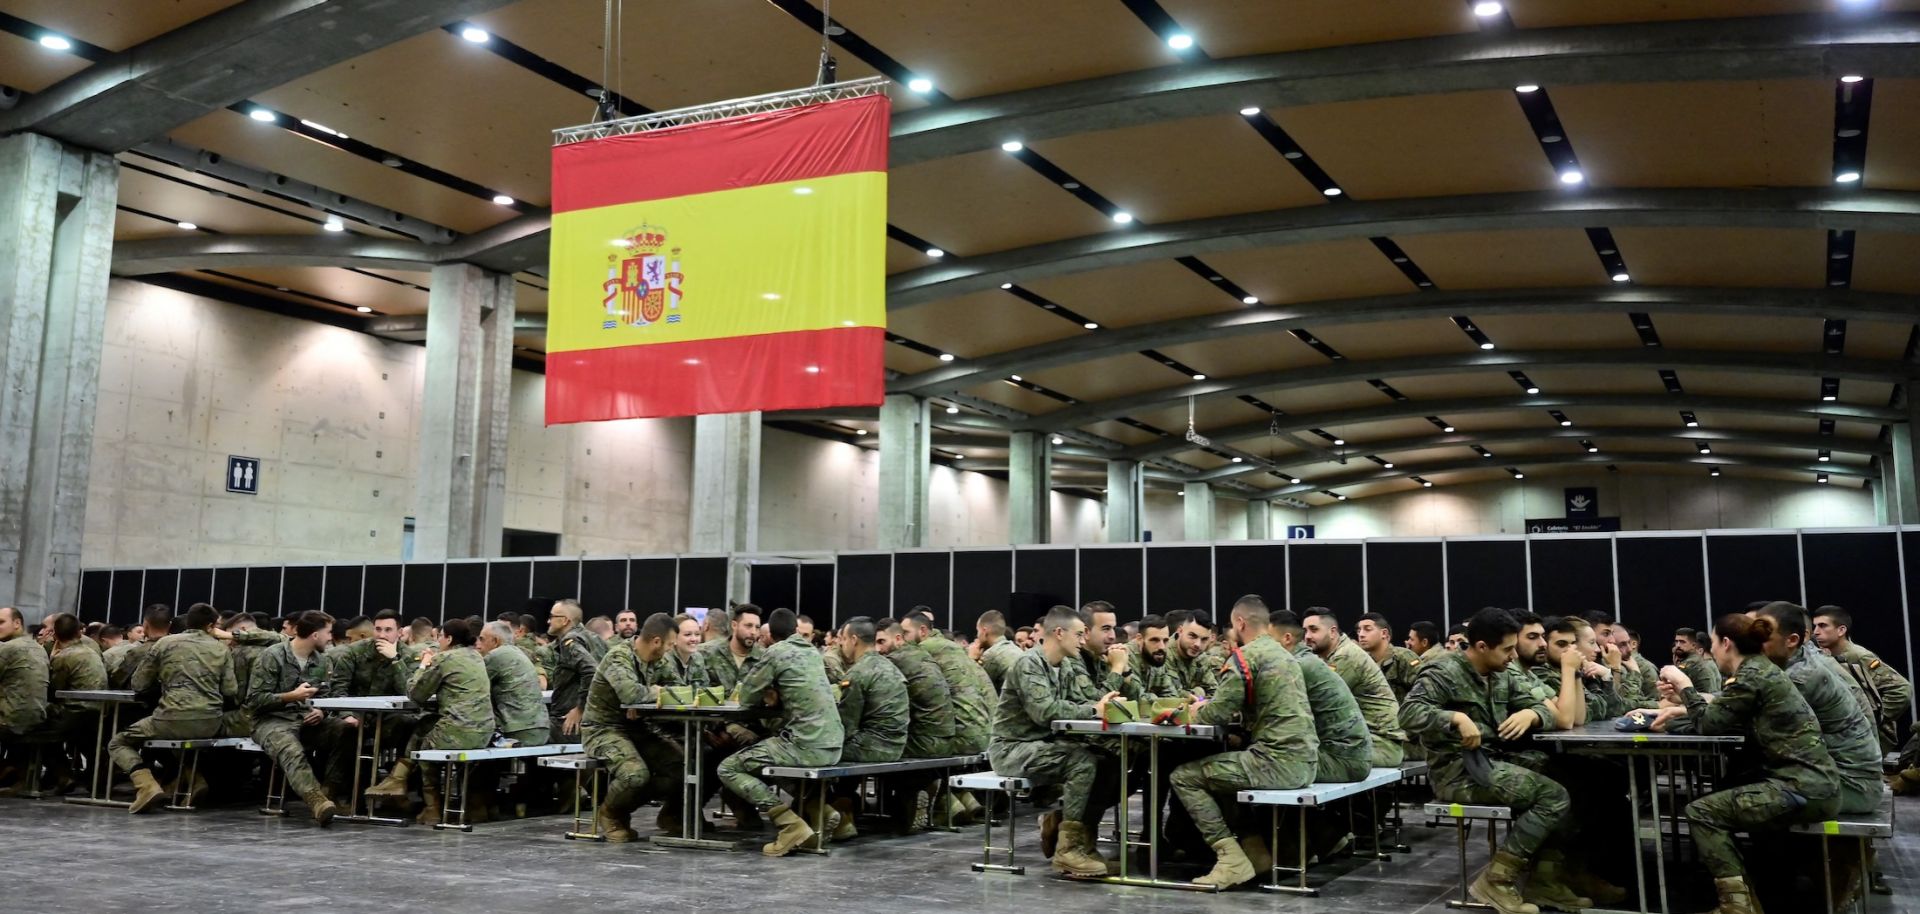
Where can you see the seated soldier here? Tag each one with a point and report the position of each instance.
(973, 699)
(1363, 678)
(1346, 746)
(639, 758)
(932, 724)
(453, 681)
(23, 682)
(873, 713)
(792, 678)
(285, 678)
(995, 651)
(75, 665)
(519, 711)
(193, 674)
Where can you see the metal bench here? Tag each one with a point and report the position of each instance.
(1463, 817)
(582, 766)
(864, 770)
(1314, 796)
(1862, 827)
(30, 787)
(453, 791)
(190, 767)
(1015, 788)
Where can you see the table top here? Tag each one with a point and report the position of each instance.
(1139, 728)
(1602, 732)
(365, 703)
(653, 708)
(95, 694)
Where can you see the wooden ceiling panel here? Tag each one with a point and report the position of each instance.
(181, 202)
(979, 324)
(1507, 259)
(1595, 381)
(1412, 460)
(1422, 145)
(1383, 431)
(1243, 355)
(26, 65)
(286, 294)
(1741, 384)
(239, 138)
(901, 258)
(114, 24)
(1311, 272)
(1886, 262)
(1432, 336)
(1125, 434)
(1185, 169)
(1468, 423)
(1895, 134)
(1139, 294)
(1599, 418)
(139, 168)
(1303, 403)
(1758, 133)
(1765, 258)
(1877, 339)
(1239, 29)
(986, 201)
(1761, 422)
(909, 361)
(1207, 414)
(342, 285)
(1756, 334)
(1546, 14)
(1019, 398)
(978, 47)
(129, 227)
(528, 298)
(1101, 379)
(1528, 332)
(1866, 393)
(1450, 386)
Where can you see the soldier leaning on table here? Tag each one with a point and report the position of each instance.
(793, 678)
(640, 759)
(285, 678)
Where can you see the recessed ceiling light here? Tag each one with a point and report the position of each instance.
(187, 225)
(1339, 442)
(1828, 398)
(1525, 88)
(1388, 464)
(262, 115)
(1179, 41)
(1006, 285)
(1714, 472)
(1332, 191)
(1016, 377)
(1849, 78)
(1572, 176)
(1487, 345)
(1822, 479)
(1621, 277)
(1426, 485)
(363, 309)
(502, 200)
(1487, 8)
(475, 35)
(1448, 429)
(1249, 299)
(1564, 423)
(1519, 475)
(1091, 325)
(1533, 390)
(1123, 217)
(1593, 450)
(946, 356)
(1012, 146)
(1249, 111)
(1341, 497)
(334, 225)
(1823, 458)
(952, 409)
(936, 253)
(1706, 450)
(859, 431)
(1199, 377)
(1293, 480)
(1693, 424)
(54, 42)
(920, 84)
(1847, 177)
(1239, 460)
(1059, 440)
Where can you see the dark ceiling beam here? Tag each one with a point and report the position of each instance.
(226, 252)
(413, 327)
(1771, 47)
(1574, 208)
(1419, 409)
(147, 91)
(1625, 458)
(1813, 366)
(1264, 319)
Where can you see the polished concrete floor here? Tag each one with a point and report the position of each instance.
(62, 858)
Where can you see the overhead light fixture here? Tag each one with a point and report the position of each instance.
(1059, 440)
(504, 200)
(1621, 277)
(1519, 475)
(1846, 177)
(1487, 345)
(1591, 449)
(1249, 111)
(1179, 41)
(1012, 146)
(1199, 377)
(936, 253)
(187, 225)
(1821, 479)
(1526, 88)
(1005, 286)
(1825, 457)
(1448, 429)
(1849, 78)
(1566, 423)
(475, 35)
(1015, 377)
(1182, 493)
(1714, 472)
(1426, 484)
(1239, 460)
(1123, 217)
(1572, 176)
(262, 115)
(334, 225)
(1339, 442)
(1704, 449)
(1331, 191)
(920, 84)
(1533, 390)
(54, 42)
(946, 356)
(1388, 464)
(1091, 325)
(316, 125)
(1341, 497)
(363, 309)
(1293, 480)
(859, 431)
(951, 409)
(1487, 9)
(1249, 299)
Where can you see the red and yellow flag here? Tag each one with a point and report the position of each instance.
(721, 266)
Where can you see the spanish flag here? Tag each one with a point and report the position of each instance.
(721, 266)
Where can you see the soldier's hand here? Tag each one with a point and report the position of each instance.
(1676, 678)
(973, 650)
(1571, 661)
(314, 716)
(350, 721)
(570, 724)
(426, 658)
(1100, 707)
(220, 633)
(1665, 715)
(303, 691)
(1517, 724)
(1593, 670)
(385, 648)
(1117, 658)
(1610, 655)
(1469, 733)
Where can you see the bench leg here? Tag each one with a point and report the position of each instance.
(986, 848)
(592, 832)
(1461, 828)
(454, 790)
(1301, 887)
(276, 801)
(183, 780)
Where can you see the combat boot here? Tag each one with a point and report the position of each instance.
(198, 791)
(1071, 857)
(394, 786)
(794, 832)
(1584, 881)
(431, 793)
(951, 812)
(615, 823)
(146, 791)
(321, 807)
(843, 828)
(975, 812)
(1545, 888)
(1495, 886)
(1049, 832)
(1906, 783)
(1255, 847)
(1090, 843)
(1231, 866)
(668, 821)
(1735, 897)
(745, 817)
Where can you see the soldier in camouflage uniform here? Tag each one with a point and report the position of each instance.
(1843, 713)
(154, 626)
(1784, 770)
(23, 678)
(1346, 746)
(997, 651)
(1364, 679)
(1468, 708)
(1038, 690)
(1104, 663)
(519, 711)
(193, 673)
(1374, 634)
(1554, 681)
(246, 641)
(874, 710)
(1890, 692)
(284, 678)
(576, 651)
(454, 682)
(973, 701)
(1147, 660)
(540, 654)
(641, 760)
(1265, 692)
(722, 663)
(1690, 654)
(791, 677)
(75, 665)
(930, 725)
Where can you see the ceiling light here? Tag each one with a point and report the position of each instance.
(1341, 497)
(1331, 191)
(1249, 299)
(1593, 450)
(1821, 479)
(363, 309)
(334, 225)
(1090, 325)
(1487, 454)
(1015, 377)
(1199, 377)
(920, 84)
(1426, 484)
(959, 457)
(1693, 423)
(1388, 464)
(1448, 429)
(952, 409)
(1714, 472)
(1533, 390)
(1827, 398)
(1179, 41)
(946, 356)
(54, 42)
(1339, 442)
(1123, 217)
(1182, 493)
(1006, 285)
(1519, 475)
(1846, 177)
(859, 431)
(1059, 440)
(1621, 277)
(502, 200)
(475, 35)
(1824, 458)
(262, 115)
(187, 225)
(1239, 459)
(1012, 146)
(1487, 8)
(1572, 176)
(1525, 88)
(1294, 480)
(1487, 345)
(1566, 423)
(1706, 450)
(802, 191)
(1250, 111)
(1849, 78)
(936, 253)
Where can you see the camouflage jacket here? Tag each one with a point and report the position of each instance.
(75, 667)
(622, 679)
(1399, 668)
(1845, 726)
(792, 669)
(1279, 719)
(1890, 692)
(874, 710)
(1034, 695)
(1782, 742)
(23, 684)
(1449, 685)
(998, 659)
(1336, 715)
(278, 671)
(575, 656)
(713, 664)
(456, 683)
(931, 722)
(514, 687)
(194, 673)
(1370, 689)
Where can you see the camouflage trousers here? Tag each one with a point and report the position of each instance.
(741, 771)
(288, 742)
(1085, 775)
(1387, 753)
(638, 765)
(863, 746)
(1714, 818)
(124, 748)
(1538, 802)
(1199, 784)
(1340, 766)
(435, 732)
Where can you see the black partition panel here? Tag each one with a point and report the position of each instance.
(1239, 570)
(1045, 576)
(423, 591)
(162, 585)
(1571, 576)
(229, 591)
(984, 580)
(772, 587)
(380, 589)
(1404, 583)
(1178, 577)
(196, 586)
(1663, 582)
(94, 589)
(923, 579)
(1743, 569)
(703, 582)
(300, 587)
(1485, 573)
(508, 585)
(465, 593)
(1116, 576)
(654, 586)
(1323, 574)
(559, 579)
(816, 594)
(1860, 572)
(263, 591)
(124, 606)
(603, 582)
(1910, 543)
(344, 586)
(863, 586)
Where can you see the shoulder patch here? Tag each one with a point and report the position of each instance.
(1873, 665)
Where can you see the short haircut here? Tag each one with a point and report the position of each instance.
(93, 629)
(66, 627)
(358, 621)
(1788, 618)
(1757, 605)
(1566, 625)
(511, 618)
(782, 624)
(1153, 622)
(1196, 617)
(992, 622)
(922, 617)
(1332, 620)
(658, 625)
(860, 628)
(1285, 620)
(261, 620)
(1633, 634)
(201, 616)
(420, 622)
(1461, 629)
(1684, 632)
(1176, 618)
(1425, 631)
(803, 617)
(459, 632)
(1096, 606)
(226, 621)
(1748, 634)
(1491, 626)
(1526, 617)
(313, 620)
(1596, 618)
(1378, 620)
(158, 619)
(1834, 614)
(1254, 611)
(386, 614)
(1249, 599)
(501, 631)
(1057, 618)
(111, 630)
(745, 609)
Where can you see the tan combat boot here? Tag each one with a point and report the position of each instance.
(394, 786)
(1231, 866)
(1735, 897)
(322, 808)
(615, 823)
(975, 812)
(146, 791)
(1070, 855)
(1255, 847)
(952, 813)
(1090, 842)
(793, 832)
(430, 793)
(1584, 881)
(844, 829)
(1495, 886)
(1546, 888)
(1049, 832)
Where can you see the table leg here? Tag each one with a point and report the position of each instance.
(1659, 846)
(1153, 809)
(690, 812)
(360, 761)
(101, 783)
(1633, 807)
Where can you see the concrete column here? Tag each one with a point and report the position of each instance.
(1125, 490)
(1879, 488)
(1030, 488)
(1259, 519)
(725, 502)
(461, 499)
(57, 204)
(906, 465)
(1903, 506)
(1198, 508)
